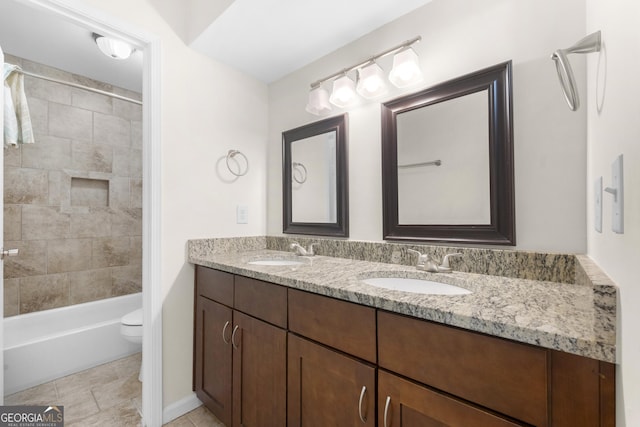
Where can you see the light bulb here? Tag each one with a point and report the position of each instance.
(406, 69)
(344, 93)
(371, 81)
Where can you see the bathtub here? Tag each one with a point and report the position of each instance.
(42, 346)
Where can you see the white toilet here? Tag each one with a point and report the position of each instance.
(131, 329)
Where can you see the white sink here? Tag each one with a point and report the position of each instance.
(275, 262)
(416, 286)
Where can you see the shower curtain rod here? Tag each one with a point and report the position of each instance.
(79, 86)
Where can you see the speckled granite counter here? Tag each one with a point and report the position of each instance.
(575, 318)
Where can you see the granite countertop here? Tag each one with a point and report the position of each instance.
(560, 316)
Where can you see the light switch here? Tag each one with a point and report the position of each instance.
(597, 204)
(242, 214)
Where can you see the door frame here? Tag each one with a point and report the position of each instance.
(99, 22)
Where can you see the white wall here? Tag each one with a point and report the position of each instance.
(207, 109)
(613, 131)
(458, 37)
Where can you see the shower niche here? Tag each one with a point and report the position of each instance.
(89, 192)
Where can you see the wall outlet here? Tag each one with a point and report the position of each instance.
(242, 214)
(597, 204)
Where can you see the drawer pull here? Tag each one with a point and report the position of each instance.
(224, 332)
(386, 410)
(362, 394)
(233, 337)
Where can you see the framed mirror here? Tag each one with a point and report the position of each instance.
(447, 161)
(315, 178)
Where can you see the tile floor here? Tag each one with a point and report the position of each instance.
(107, 395)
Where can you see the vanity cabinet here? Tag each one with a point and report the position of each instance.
(267, 355)
(240, 349)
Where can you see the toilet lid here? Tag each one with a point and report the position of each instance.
(133, 319)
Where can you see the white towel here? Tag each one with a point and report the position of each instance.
(17, 120)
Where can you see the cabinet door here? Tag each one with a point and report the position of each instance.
(403, 403)
(326, 388)
(213, 357)
(259, 373)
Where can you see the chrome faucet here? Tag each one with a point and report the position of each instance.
(427, 263)
(299, 250)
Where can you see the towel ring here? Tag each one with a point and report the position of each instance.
(299, 172)
(230, 155)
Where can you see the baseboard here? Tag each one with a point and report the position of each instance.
(179, 408)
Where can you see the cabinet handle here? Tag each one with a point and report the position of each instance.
(224, 332)
(233, 337)
(386, 410)
(362, 393)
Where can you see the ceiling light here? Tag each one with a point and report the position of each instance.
(318, 101)
(406, 68)
(344, 92)
(371, 81)
(113, 48)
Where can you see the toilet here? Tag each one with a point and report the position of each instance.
(131, 329)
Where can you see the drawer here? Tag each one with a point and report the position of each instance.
(339, 324)
(263, 300)
(215, 285)
(502, 375)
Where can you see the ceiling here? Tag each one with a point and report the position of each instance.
(296, 33)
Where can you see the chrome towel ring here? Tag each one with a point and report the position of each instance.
(299, 172)
(231, 155)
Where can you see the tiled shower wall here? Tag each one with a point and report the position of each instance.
(73, 200)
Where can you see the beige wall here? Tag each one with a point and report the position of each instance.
(73, 199)
(615, 130)
(458, 37)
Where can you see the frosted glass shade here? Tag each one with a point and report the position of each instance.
(344, 92)
(371, 81)
(318, 101)
(406, 69)
(113, 48)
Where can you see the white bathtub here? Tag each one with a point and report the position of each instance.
(43, 346)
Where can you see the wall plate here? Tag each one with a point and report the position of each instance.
(617, 224)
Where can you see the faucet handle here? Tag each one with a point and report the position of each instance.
(445, 267)
(310, 250)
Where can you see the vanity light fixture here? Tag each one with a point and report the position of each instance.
(113, 48)
(371, 82)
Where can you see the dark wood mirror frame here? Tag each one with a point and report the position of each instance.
(340, 228)
(501, 230)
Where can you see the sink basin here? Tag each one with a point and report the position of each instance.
(275, 262)
(417, 286)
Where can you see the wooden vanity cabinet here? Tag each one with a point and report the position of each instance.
(240, 349)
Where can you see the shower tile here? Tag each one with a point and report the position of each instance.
(91, 157)
(49, 153)
(11, 297)
(31, 262)
(44, 394)
(121, 161)
(12, 156)
(44, 222)
(94, 223)
(91, 101)
(136, 193)
(110, 252)
(135, 256)
(135, 163)
(111, 130)
(89, 285)
(127, 110)
(126, 222)
(58, 182)
(120, 194)
(12, 222)
(136, 134)
(53, 92)
(89, 192)
(68, 255)
(26, 186)
(43, 292)
(70, 122)
(39, 112)
(127, 280)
